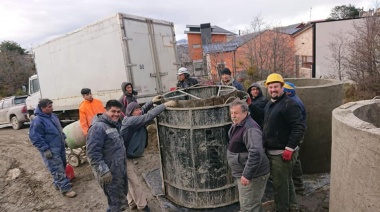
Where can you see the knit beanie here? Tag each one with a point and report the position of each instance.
(131, 107)
(226, 71)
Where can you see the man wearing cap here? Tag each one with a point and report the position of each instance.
(135, 138)
(282, 132)
(228, 80)
(184, 79)
(88, 109)
(289, 89)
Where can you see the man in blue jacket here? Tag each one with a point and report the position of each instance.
(106, 154)
(228, 80)
(246, 157)
(289, 89)
(135, 137)
(46, 135)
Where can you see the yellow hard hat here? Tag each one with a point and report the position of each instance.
(274, 78)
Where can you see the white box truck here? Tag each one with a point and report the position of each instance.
(100, 56)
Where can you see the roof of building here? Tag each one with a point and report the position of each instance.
(241, 40)
(196, 29)
(290, 29)
(231, 45)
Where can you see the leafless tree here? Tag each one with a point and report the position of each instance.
(338, 58)
(267, 49)
(364, 56)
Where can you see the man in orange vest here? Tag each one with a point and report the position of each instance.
(88, 109)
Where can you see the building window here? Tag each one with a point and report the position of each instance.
(307, 61)
(196, 46)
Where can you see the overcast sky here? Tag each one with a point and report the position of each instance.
(32, 22)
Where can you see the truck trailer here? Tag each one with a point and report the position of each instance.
(100, 56)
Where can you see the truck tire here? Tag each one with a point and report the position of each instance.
(15, 123)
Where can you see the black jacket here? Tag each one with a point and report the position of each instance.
(256, 108)
(188, 82)
(283, 126)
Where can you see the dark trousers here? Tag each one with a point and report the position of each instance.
(281, 173)
(116, 192)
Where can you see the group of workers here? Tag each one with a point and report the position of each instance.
(264, 141)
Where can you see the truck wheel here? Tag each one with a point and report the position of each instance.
(15, 123)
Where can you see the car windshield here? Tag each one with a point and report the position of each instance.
(20, 100)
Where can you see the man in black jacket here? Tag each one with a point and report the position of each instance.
(282, 132)
(258, 102)
(185, 80)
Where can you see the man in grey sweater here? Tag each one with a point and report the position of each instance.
(246, 157)
(135, 136)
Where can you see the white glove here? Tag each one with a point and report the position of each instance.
(157, 99)
(170, 103)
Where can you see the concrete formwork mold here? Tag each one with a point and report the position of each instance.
(355, 170)
(320, 97)
(192, 142)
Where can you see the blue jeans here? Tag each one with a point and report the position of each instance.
(281, 172)
(250, 195)
(57, 167)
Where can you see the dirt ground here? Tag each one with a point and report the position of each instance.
(32, 190)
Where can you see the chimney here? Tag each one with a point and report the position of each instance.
(206, 34)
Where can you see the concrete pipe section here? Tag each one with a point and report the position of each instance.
(355, 169)
(320, 97)
(192, 143)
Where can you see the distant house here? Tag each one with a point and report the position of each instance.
(259, 52)
(303, 45)
(200, 35)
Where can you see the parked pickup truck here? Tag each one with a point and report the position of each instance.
(13, 111)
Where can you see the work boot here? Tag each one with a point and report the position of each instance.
(70, 194)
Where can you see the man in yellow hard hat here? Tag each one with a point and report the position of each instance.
(282, 132)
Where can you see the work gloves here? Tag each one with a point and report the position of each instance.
(48, 154)
(106, 178)
(170, 103)
(157, 99)
(287, 155)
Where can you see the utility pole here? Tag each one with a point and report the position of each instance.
(310, 12)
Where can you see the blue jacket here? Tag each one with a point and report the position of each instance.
(46, 132)
(134, 132)
(105, 146)
(294, 96)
